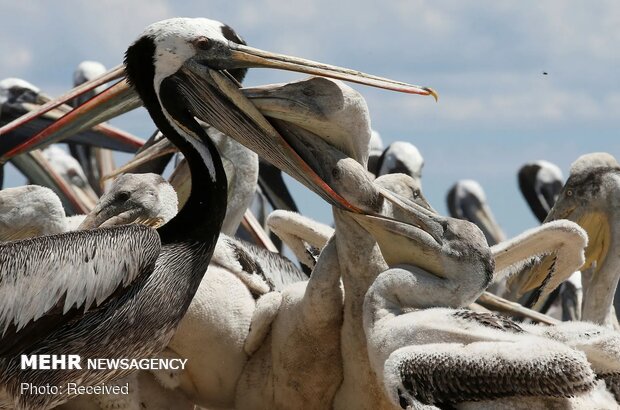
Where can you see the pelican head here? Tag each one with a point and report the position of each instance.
(540, 183)
(88, 71)
(401, 157)
(328, 108)
(466, 200)
(452, 250)
(71, 171)
(16, 90)
(590, 198)
(134, 198)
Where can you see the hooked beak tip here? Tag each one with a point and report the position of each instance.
(433, 93)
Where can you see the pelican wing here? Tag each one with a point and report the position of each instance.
(261, 270)
(75, 270)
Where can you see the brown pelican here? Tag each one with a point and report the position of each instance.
(540, 183)
(589, 198)
(175, 257)
(466, 200)
(401, 157)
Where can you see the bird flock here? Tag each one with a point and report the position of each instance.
(194, 250)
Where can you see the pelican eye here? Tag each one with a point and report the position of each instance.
(203, 43)
(569, 192)
(123, 196)
(308, 92)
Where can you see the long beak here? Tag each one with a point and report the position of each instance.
(154, 151)
(111, 75)
(244, 56)
(488, 225)
(215, 99)
(112, 102)
(406, 243)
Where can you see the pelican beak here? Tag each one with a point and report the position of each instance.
(596, 225)
(111, 75)
(244, 56)
(67, 126)
(412, 242)
(488, 225)
(156, 150)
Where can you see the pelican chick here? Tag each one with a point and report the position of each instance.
(589, 198)
(540, 183)
(30, 211)
(134, 198)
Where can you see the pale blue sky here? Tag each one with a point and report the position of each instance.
(486, 58)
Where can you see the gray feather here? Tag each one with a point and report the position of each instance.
(75, 269)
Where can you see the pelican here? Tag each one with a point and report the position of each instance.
(589, 198)
(466, 200)
(401, 157)
(29, 211)
(303, 344)
(425, 354)
(173, 258)
(240, 164)
(540, 183)
(196, 42)
(221, 310)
